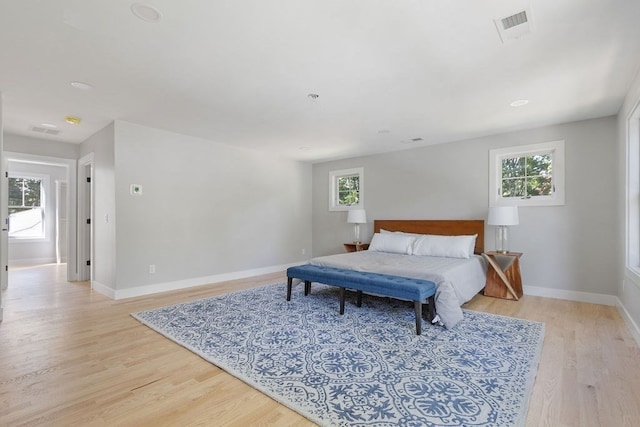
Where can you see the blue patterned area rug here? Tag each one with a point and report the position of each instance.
(367, 367)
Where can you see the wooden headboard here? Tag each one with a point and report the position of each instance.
(445, 227)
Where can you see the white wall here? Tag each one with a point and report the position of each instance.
(207, 210)
(566, 248)
(101, 144)
(40, 147)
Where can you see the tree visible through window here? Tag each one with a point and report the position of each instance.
(528, 176)
(349, 190)
(26, 208)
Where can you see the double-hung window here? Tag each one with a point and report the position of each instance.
(528, 175)
(26, 207)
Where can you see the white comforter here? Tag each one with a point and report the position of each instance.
(457, 280)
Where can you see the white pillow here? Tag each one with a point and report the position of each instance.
(383, 231)
(391, 242)
(445, 246)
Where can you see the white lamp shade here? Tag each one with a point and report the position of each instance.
(503, 215)
(357, 216)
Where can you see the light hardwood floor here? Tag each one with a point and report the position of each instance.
(70, 356)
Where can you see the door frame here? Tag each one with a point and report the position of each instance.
(70, 166)
(85, 210)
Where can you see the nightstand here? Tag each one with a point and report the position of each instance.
(503, 275)
(356, 247)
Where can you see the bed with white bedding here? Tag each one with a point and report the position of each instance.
(400, 248)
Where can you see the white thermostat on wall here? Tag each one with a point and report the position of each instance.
(135, 190)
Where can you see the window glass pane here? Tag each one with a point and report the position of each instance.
(539, 186)
(527, 176)
(513, 187)
(26, 214)
(15, 192)
(348, 190)
(26, 223)
(539, 165)
(513, 167)
(24, 192)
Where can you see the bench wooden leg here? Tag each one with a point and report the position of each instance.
(342, 300)
(359, 299)
(289, 284)
(417, 306)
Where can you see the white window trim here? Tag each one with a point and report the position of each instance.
(495, 174)
(45, 189)
(632, 220)
(333, 189)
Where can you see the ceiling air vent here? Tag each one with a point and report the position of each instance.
(44, 130)
(514, 26)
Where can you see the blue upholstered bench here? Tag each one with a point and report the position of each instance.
(416, 290)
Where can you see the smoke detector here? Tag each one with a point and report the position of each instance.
(514, 26)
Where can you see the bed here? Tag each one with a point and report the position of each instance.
(400, 248)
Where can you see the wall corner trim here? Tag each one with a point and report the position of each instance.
(631, 324)
(103, 289)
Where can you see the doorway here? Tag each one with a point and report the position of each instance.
(57, 242)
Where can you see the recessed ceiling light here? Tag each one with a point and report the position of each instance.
(81, 85)
(73, 120)
(519, 103)
(304, 148)
(146, 12)
(48, 125)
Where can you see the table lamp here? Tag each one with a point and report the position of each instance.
(357, 217)
(502, 217)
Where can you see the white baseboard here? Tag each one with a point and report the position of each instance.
(198, 281)
(631, 324)
(588, 297)
(571, 295)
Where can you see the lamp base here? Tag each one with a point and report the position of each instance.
(356, 233)
(502, 239)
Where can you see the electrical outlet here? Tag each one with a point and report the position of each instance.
(152, 268)
(303, 251)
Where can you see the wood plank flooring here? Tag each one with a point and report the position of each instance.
(70, 356)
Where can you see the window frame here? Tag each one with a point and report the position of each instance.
(632, 221)
(334, 205)
(43, 205)
(555, 148)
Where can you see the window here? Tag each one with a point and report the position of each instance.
(529, 175)
(346, 189)
(633, 197)
(26, 207)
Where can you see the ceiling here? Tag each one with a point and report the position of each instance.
(386, 73)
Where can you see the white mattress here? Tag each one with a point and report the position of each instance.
(457, 280)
